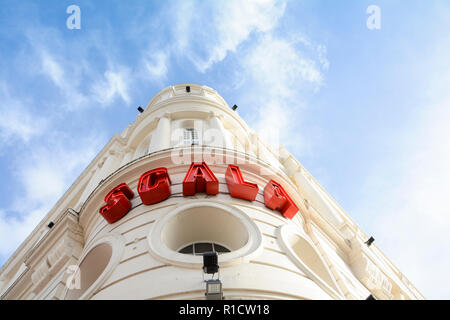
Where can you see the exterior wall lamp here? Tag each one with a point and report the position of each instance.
(213, 286)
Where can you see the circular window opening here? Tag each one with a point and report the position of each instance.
(204, 226)
(199, 248)
(181, 236)
(90, 269)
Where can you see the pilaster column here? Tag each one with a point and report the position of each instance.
(128, 156)
(161, 136)
(218, 134)
(317, 199)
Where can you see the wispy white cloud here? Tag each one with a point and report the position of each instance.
(276, 71)
(17, 120)
(80, 83)
(48, 169)
(322, 56)
(44, 174)
(15, 228)
(65, 75)
(113, 85)
(45, 169)
(51, 68)
(206, 41)
(281, 73)
(279, 65)
(156, 65)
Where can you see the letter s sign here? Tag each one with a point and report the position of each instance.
(117, 203)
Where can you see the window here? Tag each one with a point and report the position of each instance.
(181, 236)
(101, 257)
(203, 226)
(92, 266)
(198, 248)
(191, 137)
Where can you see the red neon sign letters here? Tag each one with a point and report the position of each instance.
(276, 198)
(117, 203)
(154, 187)
(200, 178)
(237, 186)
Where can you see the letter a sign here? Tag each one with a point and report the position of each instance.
(200, 178)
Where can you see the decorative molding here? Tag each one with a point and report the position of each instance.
(284, 234)
(117, 243)
(369, 273)
(167, 115)
(173, 92)
(373, 278)
(57, 247)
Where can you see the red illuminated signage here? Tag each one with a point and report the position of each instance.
(200, 178)
(154, 187)
(117, 203)
(237, 186)
(276, 198)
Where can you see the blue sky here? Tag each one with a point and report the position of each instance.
(365, 111)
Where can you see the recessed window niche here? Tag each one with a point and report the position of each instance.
(205, 222)
(96, 264)
(305, 255)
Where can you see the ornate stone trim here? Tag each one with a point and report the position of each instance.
(56, 248)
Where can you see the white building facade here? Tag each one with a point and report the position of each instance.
(154, 251)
